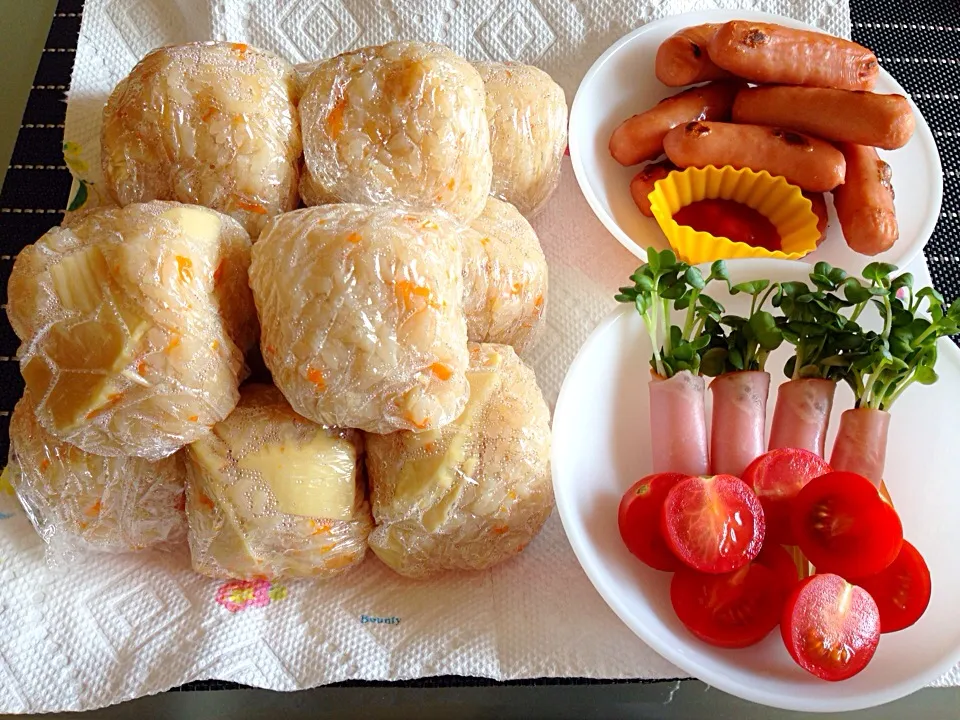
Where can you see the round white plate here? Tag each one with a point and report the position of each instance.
(622, 83)
(601, 445)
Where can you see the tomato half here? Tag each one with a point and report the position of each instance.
(776, 477)
(902, 591)
(713, 524)
(843, 526)
(830, 627)
(732, 610)
(775, 558)
(639, 520)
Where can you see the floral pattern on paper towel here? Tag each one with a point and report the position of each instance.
(237, 595)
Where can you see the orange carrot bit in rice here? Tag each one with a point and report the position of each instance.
(250, 206)
(204, 500)
(271, 350)
(211, 111)
(354, 237)
(443, 372)
(327, 548)
(184, 268)
(44, 464)
(335, 117)
(94, 509)
(316, 377)
(193, 418)
(319, 529)
(451, 184)
(171, 346)
(500, 530)
(215, 345)
(240, 49)
(112, 399)
(538, 303)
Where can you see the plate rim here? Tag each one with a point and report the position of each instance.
(564, 505)
(922, 129)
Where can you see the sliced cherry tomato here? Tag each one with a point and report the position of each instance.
(775, 558)
(830, 627)
(639, 520)
(776, 477)
(902, 591)
(843, 526)
(713, 524)
(732, 610)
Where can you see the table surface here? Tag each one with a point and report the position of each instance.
(23, 32)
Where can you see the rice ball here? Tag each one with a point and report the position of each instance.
(400, 123)
(271, 494)
(471, 494)
(208, 123)
(362, 316)
(133, 324)
(505, 278)
(527, 112)
(84, 501)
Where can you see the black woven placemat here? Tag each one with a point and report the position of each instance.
(917, 41)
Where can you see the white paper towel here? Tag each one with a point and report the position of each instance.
(117, 627)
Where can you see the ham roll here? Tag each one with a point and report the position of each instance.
(739, 420)
(802, 413)
(861, 444)
(678, 424)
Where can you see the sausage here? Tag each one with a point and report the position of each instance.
(768, 53)
(819, 207)
(864, 202)
(640, 137)
(678, 424)
(861, 443)
(865, 118)
(808, 162)
(643, 183)
(682, 58)
(739, 420)
(802, 413)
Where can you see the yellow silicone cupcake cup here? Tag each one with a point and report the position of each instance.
(782, 203)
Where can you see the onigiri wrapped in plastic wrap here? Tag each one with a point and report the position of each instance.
(475, 492)
(133, 325)
(505, 277)
(311, 194)
(400, 123)
(527, 111)
(209, 123)
(362, 316)
(80, 501)
(271, 494)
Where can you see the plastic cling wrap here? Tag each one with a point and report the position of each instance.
(527, 111)
(362, 316)
(127, 320)
(213, 124)
(80, 501)
(399, 123)
(271, 494)
(505, 277)
(475, 492)
(310, 191)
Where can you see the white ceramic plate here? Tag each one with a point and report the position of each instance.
(622, 83)
(601, 446)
